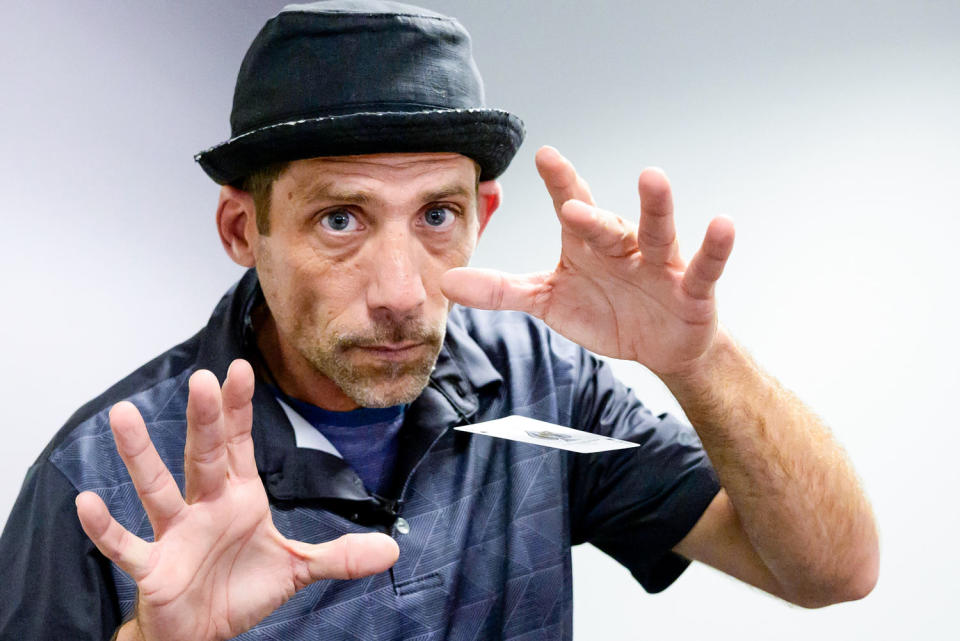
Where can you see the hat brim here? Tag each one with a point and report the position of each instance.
(489, 136)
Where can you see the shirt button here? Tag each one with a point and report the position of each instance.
(402, 526)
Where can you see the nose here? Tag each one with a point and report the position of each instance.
(396, 288)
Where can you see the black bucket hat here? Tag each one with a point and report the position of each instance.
(350, 77)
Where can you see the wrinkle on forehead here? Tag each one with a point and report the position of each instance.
(342, 178)
(399, 162)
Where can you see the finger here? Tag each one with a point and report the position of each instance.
(606, 232)
(349, 557)
(205, 455)
(657, 234)
(561, 179)
(491, 289)
(238, 419)
(155, 486)
(114, 541)
(707, 264)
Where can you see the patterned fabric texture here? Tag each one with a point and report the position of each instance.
(484, 525)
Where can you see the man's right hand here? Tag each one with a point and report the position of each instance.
(217, 565)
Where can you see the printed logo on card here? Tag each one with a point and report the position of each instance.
(530, 430)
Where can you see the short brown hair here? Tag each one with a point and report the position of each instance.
(259, 185)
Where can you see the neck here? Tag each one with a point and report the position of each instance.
(293, 373)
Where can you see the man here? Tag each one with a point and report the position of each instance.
(321, 491)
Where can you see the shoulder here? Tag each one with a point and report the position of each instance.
(43, 544)
(83, 449)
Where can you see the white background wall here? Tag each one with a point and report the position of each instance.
(828, 131)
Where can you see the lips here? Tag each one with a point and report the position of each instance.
(391, 351)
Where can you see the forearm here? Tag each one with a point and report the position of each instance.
(792, 488)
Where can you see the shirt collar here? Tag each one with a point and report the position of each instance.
(462, 378)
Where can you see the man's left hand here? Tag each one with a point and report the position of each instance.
(620, 290)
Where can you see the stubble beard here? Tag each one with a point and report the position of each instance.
(381, 383)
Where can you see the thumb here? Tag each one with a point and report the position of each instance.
(351, 556)
(491, 289)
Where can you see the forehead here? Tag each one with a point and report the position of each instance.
(381, 171)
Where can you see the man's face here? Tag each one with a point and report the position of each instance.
(351, 267)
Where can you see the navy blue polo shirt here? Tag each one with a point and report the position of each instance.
(486, 554)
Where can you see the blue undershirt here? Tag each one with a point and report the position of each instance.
(366, 437)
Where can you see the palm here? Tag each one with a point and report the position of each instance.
(217, 565)
(619, 290)
(206, 566)
(621, 305)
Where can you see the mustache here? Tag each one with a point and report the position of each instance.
(407, 331)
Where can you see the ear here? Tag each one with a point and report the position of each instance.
(237, 224)
(489, 194)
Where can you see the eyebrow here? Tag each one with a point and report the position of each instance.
(328, 190)
(447, 191)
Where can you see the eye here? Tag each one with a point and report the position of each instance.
(439, 217)
(340, 220)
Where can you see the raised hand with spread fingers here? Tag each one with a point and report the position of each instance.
(217, 565)
(619, 290)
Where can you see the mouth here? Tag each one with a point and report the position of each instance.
(392, 351)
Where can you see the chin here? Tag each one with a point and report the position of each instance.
(385, 386)
(388, 396)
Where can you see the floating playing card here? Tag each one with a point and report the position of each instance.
(530, 430)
